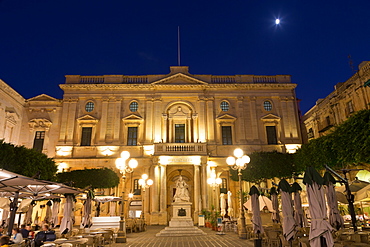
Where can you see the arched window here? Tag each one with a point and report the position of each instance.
(224, 106)
(267, 105)
(89, 107)
(134, 106)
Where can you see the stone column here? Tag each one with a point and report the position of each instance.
(71, 120)
(170, 130)
(210, 121)
(117, 121)
(195, 127)
(204, 185)
(148, 122)
(196, 193)
(63, 124)
(164, 127)
(103, 121)
(189, 129)
(163, 197)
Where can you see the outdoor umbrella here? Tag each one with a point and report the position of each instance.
(299, 217)
(5, 218)
(263, 202)
(256, 218)
(275, 206)
(222, 204)
(86, 222)
(36, 220)
(289, 224)
(55, 212)
(47, 218)
(67, 222)
(230, 209)
(335, 219)
(28, 217)
(12, 182)
(320, 229)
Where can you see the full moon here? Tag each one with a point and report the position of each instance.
(277, 21)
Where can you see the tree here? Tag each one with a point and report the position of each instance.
(265, 165)
(94, 178)
(347, 144)
(27, 162)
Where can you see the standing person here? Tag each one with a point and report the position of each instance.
(16, 237)
(4, 241)
(24, 231)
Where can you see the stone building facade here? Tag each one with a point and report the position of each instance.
(172, 123)
(347, 98)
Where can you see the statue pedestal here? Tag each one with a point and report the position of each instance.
(181, 223)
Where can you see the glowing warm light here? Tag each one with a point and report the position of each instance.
(238, 153)
(64, 151)
(120, 163)
(210, 181)
(133, 163)
(125, 155)
(141, 182)
(130, 195)
(218, 181)
(277, 21)
(211, 163)
(292, 148)
(150, 182)
(164, 160)
(230, 161)
(149, 149)
(196, 160)
(62, 166)
(144, 176)
(246, 159)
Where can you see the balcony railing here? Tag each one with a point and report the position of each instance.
(180, 149)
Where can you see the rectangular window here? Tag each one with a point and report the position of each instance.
(226, 135)
(86, 136)
(271, 135)
(223, 187)
(327, 121)
(179, 133)
(132, 136)
(350, 107)
(310, 133)
(137, 190)
(38, 142)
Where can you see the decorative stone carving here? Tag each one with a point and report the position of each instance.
(39, 123)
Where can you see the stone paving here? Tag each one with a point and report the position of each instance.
(148, 239)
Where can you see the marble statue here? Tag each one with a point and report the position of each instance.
(182, 193)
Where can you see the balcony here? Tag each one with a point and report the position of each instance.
(180, 149)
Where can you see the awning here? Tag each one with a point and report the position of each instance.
(367, 84)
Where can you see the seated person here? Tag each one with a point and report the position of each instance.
(24, 231)
(44, 235)
(16, 237)
(4, 241)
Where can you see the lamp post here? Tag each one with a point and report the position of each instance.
(124, 168)
(239, 162)
(144, 182)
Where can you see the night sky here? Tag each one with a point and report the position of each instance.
(43, 40)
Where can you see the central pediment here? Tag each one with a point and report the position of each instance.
(179, 79)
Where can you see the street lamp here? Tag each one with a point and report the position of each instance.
(144, 182)
(124, 168)
(239, 162)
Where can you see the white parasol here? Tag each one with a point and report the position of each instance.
(256, 218)
(289, 224)
(230, 209)
(222, 204)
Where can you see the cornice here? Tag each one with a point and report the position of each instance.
(173, 87)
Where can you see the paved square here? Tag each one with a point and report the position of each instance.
(148, 238)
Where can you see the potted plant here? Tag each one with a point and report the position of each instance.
(207, 216)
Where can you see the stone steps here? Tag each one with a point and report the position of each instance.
(180, 231)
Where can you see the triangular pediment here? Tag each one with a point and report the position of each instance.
(42, 97)
(270, 117)
(87, 118)
(179, 79)
(132, 117)
(226, 117)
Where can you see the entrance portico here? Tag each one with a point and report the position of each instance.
(166, 172)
